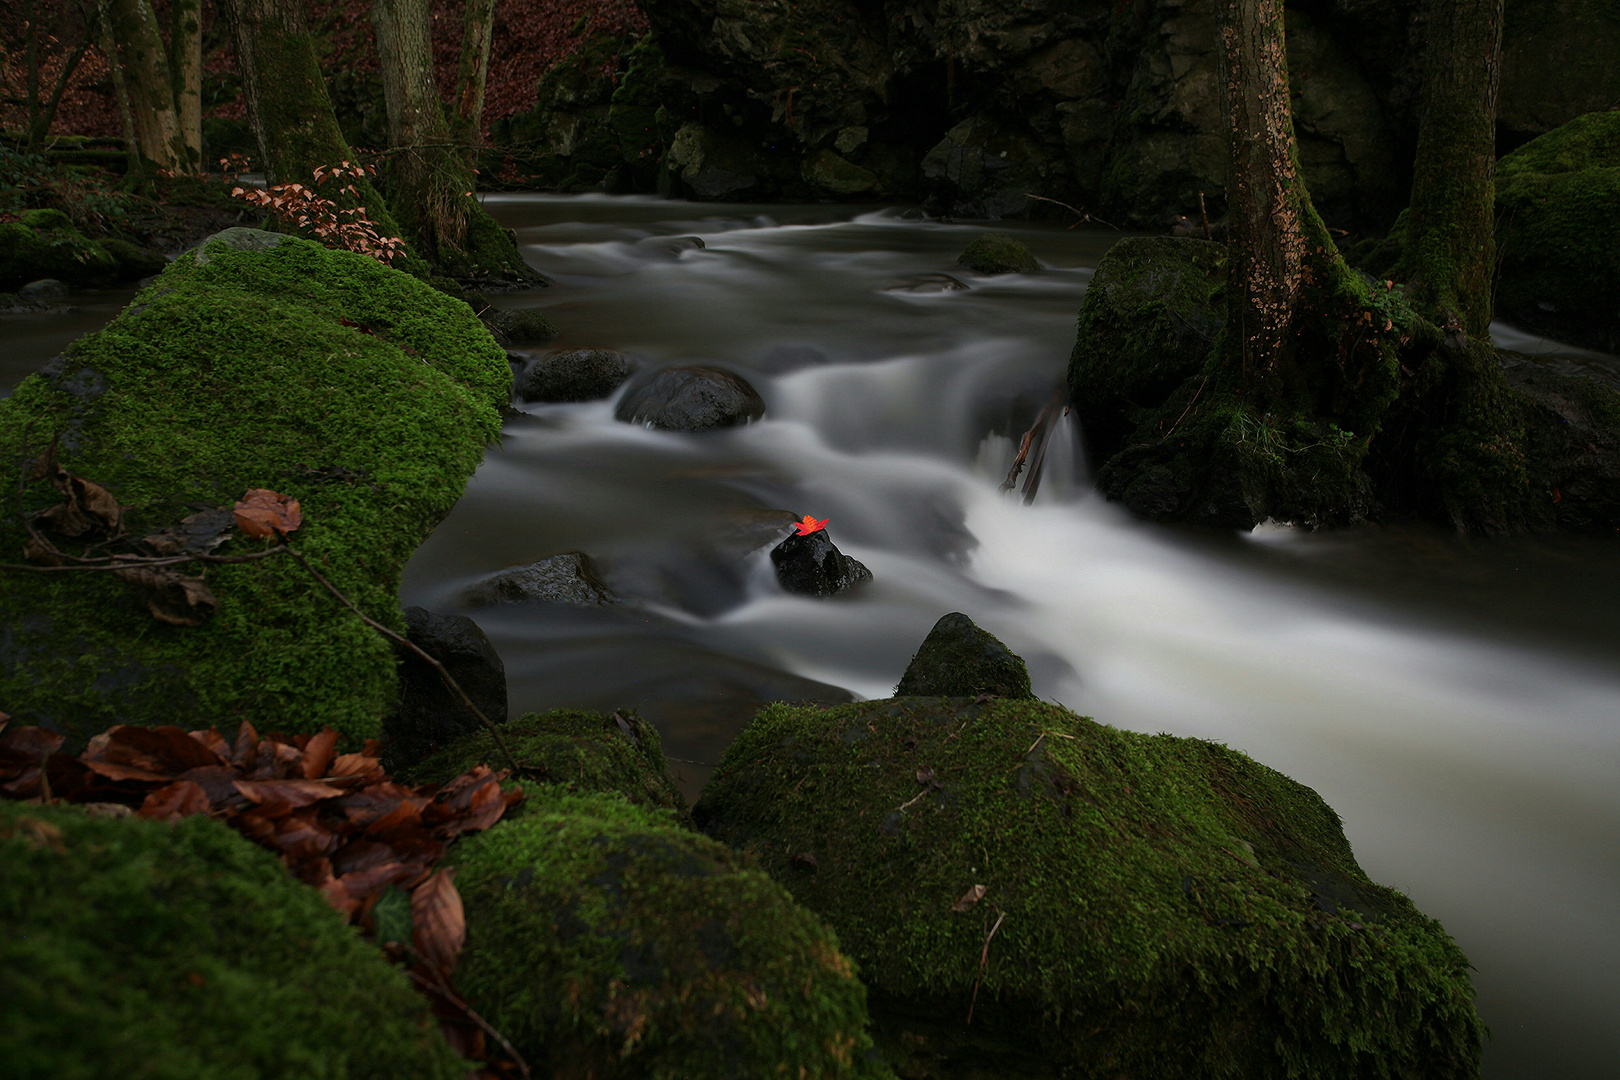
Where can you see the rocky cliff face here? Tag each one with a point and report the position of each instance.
(1112, 106)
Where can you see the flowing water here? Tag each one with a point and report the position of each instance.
(1456, 701)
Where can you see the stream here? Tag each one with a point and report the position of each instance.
(1456, 700)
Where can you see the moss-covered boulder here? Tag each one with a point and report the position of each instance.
(1558, 232)
(258, 361)
(576, 750)
(45, 244)
(959, 659)
(606, 941)
(183, 951)
(1148, 319)
(1103, 903)
(998, 253)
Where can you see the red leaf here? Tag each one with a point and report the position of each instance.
(438, 924)
(262, 513)
(809, 525)
(181, 799)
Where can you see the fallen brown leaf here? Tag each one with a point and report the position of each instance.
(438, 924)
(966, 901)
(262, 513)
(183, 798)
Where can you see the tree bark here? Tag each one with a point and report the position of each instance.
(42, 110)
(1263, 191)
(146, 73)
(1450, 248)
(472, 75)
(185, 73)
(126, 117)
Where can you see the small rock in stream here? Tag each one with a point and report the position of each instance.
(812, 566)
(958, 659)
(569, 578)
(576, 375)
(691, 398)
(430, 716)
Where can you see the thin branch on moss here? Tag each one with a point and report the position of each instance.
(984, 961)
(438, 986)
(420, 653)
(1084, 217)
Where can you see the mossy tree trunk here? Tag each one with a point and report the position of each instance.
(289, 109)
(472, 75)
(42, 108)
(185, 74)
(146, 73)
(429, 177)
(126, 115)
(1450, 245)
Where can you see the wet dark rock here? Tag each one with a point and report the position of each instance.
(690, 398)
(430, 716)
(998, 253)
(958, 659)
(1572, 428)
(569, 578)
(812, 566)
(520, 326)
(576, 375)
(43, 290)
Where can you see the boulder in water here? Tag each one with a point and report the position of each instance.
(1187, 912)
(812, 566)
(690, 398)
(569, 578)
(998, 253)
(576, 375)
(520, 326)
(958, 659)
(43, 290)
(430, 716)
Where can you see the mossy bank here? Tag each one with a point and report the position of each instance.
(1153, 906)
(257, 361)
(134, 948)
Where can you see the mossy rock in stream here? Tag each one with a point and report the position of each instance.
(45, 244)
(998, 253)
(258, 361)
(1160, 907)
(184, 952)
(607, 941)
(576, 750)
(1558, 232)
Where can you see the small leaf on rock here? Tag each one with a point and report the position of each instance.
(181, 799)
(968, 899)
(172, 597)
(438, 924)
(804, 858)
(925, 776)
(262, 513)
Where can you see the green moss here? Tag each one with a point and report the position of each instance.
(581, 751)
(605, 940)
(998, 253)
(1167, 906)
(960, 658)
(1559, 237)
(241, 374)
(183, 951)
(44, 244)
(1586, 142)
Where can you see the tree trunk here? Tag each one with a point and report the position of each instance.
(1450, 246)
(185, 73)
(126, 117)
(146, 72)
(472, 74)
(42, 110)
(1263, 190)
(430, 176)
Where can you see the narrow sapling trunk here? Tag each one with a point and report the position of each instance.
(146, 73)
(472, 75)
(185, 72)
(126, 116)
(42, 108)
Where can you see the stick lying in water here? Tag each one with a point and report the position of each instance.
(1037, 437)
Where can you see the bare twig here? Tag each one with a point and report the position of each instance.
(125, 562)
(1188, 409)
(1204, 214)
(984, 960)
(417, 651)
(1084, 216)
(438, 985)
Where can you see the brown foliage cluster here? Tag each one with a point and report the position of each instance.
(315, 212)
(336, 820)
(529, 36)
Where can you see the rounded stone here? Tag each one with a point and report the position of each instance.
(690, 398)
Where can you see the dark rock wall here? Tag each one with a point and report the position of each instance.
(1111, 105)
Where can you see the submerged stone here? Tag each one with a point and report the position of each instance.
(430, 715)
(574, 749)
(521, 326)
(606, 941)
(576, 375)
(690, 398)
(958, 659)
(1102, 902)
(569, 578)
(257, 361)
(185, 951)
(813, 566)
(998, 253)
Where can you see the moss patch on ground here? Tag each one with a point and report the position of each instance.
(270, 362)
(578, 751)
(182, 951)
(1167, 907)
(606, 941)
